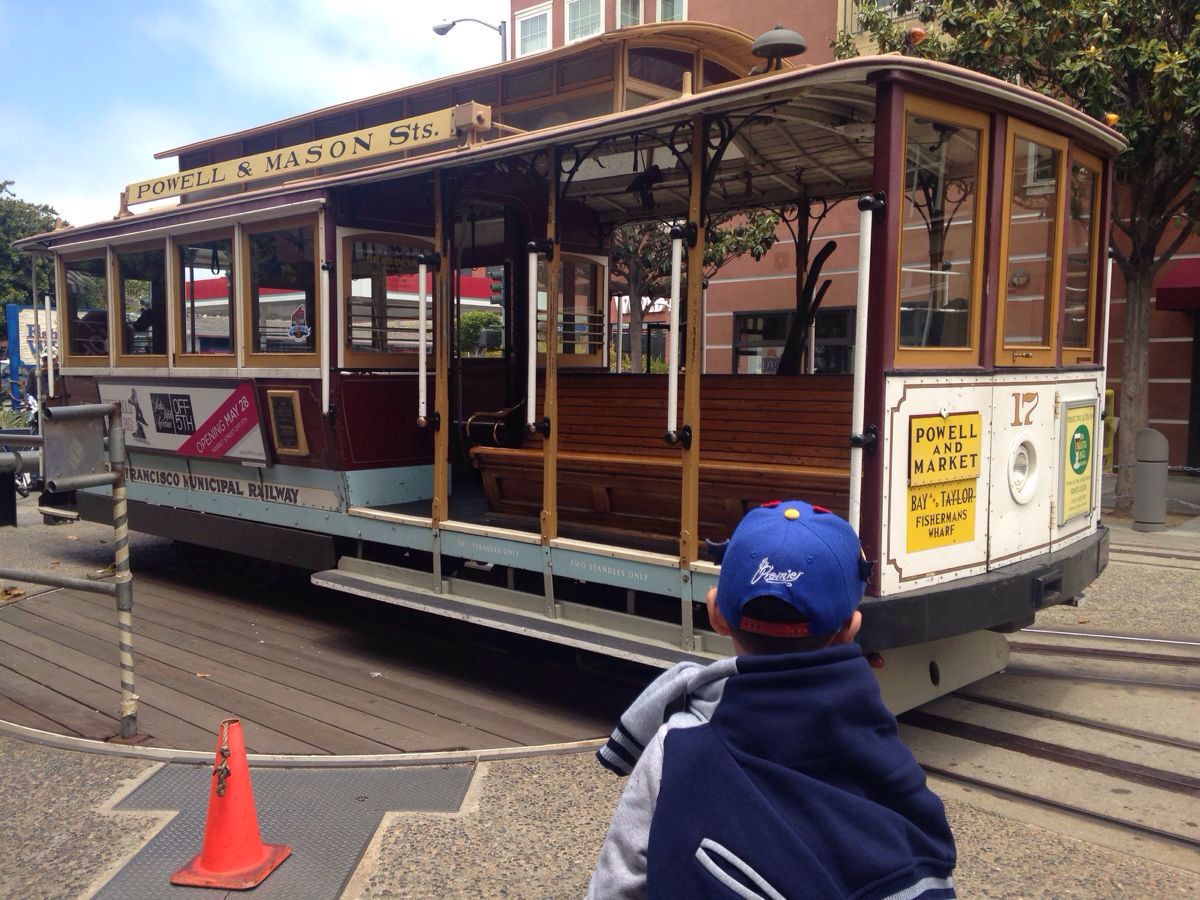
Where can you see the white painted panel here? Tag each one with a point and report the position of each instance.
(926, 541)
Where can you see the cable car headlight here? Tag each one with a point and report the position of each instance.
(1023, 471)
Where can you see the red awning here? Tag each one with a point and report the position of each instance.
(1179, 289)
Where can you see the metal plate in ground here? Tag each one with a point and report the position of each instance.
(327, 817)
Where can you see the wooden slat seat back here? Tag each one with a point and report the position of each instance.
(762, 438)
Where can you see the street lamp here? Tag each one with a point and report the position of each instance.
(502, 29)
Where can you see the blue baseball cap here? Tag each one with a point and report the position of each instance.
(805, 555)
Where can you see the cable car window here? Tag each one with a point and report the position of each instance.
(381, 305)
(581, 315)
(87, 306)
(660, 66)
(283, 290)
(1032, 221)
(1081, 255)
(142, 299)
(206, 296)
(939, 245)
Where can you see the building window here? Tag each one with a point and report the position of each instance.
(142, 299)
(206, 296)
(630, 13)
(533, 30)
(833, 342)
(283, 291)
(758, 341)
(87, 306)
(584, 18)
(672, 10)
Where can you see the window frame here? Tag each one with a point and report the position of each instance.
(1086, 354)
(526, 15)
(641, 13)
(1006, 355)
(349, 357)
(180, 357)
(249, 357)
(683, 12)
(65, 310)
(567, 5)
(117, 306)
(946, 357)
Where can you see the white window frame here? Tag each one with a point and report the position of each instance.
(567, 5)
(525, 16)
(658, 12)
(641, 13)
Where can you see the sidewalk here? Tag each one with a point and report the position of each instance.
(1182, 534)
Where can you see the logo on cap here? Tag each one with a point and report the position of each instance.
(766, 572)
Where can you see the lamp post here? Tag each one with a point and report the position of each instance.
(501, 29)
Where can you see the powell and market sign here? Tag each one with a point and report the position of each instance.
(378, 140)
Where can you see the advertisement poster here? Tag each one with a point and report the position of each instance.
(943, 474)
(213, 420)
(1078, 448)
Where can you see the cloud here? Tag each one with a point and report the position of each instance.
(77, 132)
(307, 54)
(82, 180)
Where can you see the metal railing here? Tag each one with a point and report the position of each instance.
(121, 587)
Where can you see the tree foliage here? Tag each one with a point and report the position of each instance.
(19, 219)
(471, 325)
(1136, 59)
(641, 258)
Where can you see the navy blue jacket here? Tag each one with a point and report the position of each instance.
(774, 776)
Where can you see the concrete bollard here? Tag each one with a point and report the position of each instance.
(1150, 481)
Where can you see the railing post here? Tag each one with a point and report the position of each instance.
(121, 570)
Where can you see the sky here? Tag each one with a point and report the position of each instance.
(90, 90)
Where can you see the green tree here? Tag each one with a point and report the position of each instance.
(641, 259)
(19, 219)
(1136, 59)
(471, 325)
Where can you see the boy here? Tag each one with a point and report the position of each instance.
(778, 773)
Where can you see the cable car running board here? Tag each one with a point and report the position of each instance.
(600, 631)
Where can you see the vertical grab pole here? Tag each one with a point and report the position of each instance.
(673, 333)
(531, 340)
(49, 349)
(858, 441)
(323, 295)
(422, 340)
(123, 576)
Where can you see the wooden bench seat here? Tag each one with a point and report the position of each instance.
(762, 438)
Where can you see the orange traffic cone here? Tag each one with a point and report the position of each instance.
(232, 856)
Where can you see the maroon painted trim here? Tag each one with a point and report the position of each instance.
(881, 327)
(1107, 170)
(994, 212)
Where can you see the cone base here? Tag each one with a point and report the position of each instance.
(193, 875)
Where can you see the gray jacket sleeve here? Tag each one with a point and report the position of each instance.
(621, 869)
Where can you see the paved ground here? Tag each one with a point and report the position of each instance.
(531, 827)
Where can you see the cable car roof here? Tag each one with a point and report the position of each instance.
(799, 132)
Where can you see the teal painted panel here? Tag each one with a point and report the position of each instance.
(517, 554)
(619, 572)
(383, 487)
